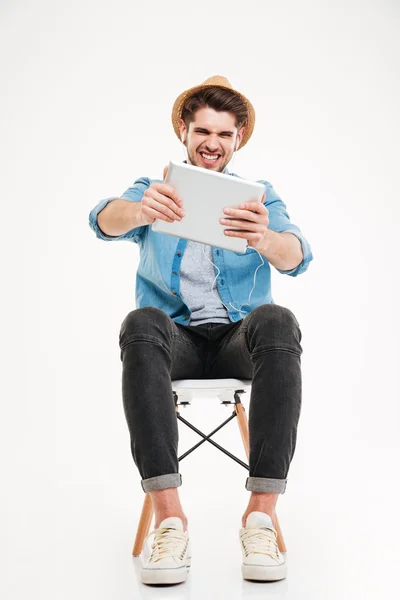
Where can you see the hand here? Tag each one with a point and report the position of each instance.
(161, 201)
(253, 220)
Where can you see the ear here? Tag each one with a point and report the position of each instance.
(240, 137)
(182, 130)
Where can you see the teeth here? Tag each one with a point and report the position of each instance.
(209, 156)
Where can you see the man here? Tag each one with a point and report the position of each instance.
(182, 328)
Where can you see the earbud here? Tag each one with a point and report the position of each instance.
(182, 138)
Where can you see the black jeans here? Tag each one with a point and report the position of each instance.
(264, 347)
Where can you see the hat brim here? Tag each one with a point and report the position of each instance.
(179, 102)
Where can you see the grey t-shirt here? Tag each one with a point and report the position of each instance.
(197, 276)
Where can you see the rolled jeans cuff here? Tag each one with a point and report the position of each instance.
(264, 484)
(161, 482)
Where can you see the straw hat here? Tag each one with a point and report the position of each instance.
(215, 80)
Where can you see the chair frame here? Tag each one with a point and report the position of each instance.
(239, 412)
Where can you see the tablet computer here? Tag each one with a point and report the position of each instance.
(205, 194)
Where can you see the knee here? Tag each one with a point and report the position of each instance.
(144, 320)
(274, 319)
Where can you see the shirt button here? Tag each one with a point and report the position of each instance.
(174, 293)
(179, 254)
(222, 282)
(217, 252)
(175, 272)
(186, 318)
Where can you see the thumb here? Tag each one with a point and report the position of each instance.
(165, 172)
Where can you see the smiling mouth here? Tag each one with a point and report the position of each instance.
(209, 158)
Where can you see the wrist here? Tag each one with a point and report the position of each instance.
(267, 240)
(140, 218)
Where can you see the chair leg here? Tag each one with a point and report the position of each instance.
(244, 431)
(280, 540)
(144, 525)
(145, 520)
(243, 426)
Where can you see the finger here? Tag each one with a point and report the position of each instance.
(166, 190)
(241, 214)
(164, 205)
(162, 198)
(155, 214)
(250, 237)
(237, 233)
(245, 226)
(256, 206)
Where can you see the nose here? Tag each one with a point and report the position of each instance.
(212, 143)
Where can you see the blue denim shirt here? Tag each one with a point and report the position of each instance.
(158, 273)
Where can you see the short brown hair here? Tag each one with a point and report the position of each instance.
(219, 99)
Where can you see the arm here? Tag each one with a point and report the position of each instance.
(282, 250)
(268, 228)
(120, 216)
(127, 218)
(289, 250)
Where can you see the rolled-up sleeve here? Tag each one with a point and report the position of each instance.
(133, 194)
(279, 220)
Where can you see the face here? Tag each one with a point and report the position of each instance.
(211, 139)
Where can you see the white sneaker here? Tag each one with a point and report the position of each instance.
(262, 559)
(170, 556)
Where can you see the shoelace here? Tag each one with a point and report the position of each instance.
(167, 542)
(260, 541)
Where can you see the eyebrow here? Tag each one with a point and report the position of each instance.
(203, 130)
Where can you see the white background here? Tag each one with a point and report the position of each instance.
(87, 92)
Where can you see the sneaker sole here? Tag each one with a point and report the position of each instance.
(262, 573)
(161, 576)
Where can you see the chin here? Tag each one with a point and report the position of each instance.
(198, 162)
(205, 164)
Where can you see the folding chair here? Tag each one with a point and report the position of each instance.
(188, 389)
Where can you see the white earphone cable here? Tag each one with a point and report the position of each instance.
(254, 284)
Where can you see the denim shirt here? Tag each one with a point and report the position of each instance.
(158, 273)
